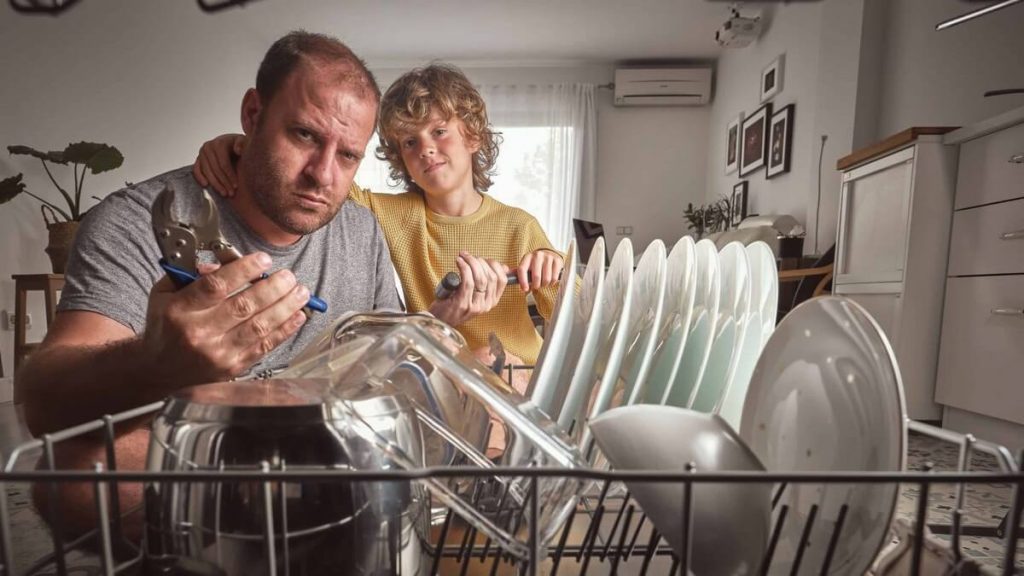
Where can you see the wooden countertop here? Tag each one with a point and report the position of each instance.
(891, 143)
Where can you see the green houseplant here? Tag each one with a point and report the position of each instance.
(62, 219)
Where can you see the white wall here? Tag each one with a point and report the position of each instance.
(651, 163)
(156, 79)
(793, 30)
(937, 78)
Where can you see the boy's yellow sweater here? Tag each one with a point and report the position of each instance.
(424, 247)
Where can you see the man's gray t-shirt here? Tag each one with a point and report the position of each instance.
(114, 262)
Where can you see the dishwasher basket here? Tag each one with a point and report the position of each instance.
(608, 534)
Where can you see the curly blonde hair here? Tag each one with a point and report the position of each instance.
(407, 105)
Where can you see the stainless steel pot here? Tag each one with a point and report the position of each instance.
(336, 527)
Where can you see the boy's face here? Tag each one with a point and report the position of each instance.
(439, 157)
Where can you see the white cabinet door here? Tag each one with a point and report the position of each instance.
(988, 240)
(982, 355)
(874, 220)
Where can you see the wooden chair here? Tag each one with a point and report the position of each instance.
(814, 281)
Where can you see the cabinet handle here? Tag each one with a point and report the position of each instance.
(1007, 311)
(1017, 159)
(1015, 235)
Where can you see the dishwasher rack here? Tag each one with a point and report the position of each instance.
(608, 533)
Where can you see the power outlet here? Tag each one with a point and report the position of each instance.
(8, 320)
(624, 230)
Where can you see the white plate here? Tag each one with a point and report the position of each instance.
(735, 286)
(712, 383)
(730, 520)
(675, 325)
(698, 344)
(707, 296)
(826, 395)
(764, 285)
(744, 360)
(546, 375)
(737, 303)
(644, 322)
(617, 303)
(578, 363)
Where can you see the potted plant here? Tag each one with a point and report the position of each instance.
(62, 221)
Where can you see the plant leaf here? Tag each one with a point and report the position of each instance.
(98, 157)
(11, 187)
(55, 156)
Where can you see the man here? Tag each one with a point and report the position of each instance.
(125, 336)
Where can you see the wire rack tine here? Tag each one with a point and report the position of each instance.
(920, 525)
(766, 562)
(617, 557)
(56, 530)
(804, 536)
(115, 499)
(834, 540)
(102, 505)
(5, 533)
(1016, 504)
(685, 559)
(268, 506)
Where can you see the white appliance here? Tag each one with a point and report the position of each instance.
(891, 249)
(662, 86)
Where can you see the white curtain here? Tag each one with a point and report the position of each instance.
(546, 161)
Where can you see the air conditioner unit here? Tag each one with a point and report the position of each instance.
(662, 86)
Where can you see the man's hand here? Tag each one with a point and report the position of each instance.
(483, 283)
(215, 164)
(210, 331)
(542, 267)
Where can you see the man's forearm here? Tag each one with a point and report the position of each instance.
(64, 385)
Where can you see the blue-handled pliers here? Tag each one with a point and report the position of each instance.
(180, 243)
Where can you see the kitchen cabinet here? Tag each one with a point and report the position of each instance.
(895, 210)
(982, 350)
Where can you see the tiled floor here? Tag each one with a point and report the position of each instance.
(985, 504)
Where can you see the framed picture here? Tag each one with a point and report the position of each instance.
(732, 140)
(754, 132)
(780, 141)
(771, 78)
(739, 203)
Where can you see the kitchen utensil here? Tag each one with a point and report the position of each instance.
(577, 368)
(680, 287)
(317, 527)
(764, 285)
(644, 322)
(733, 518)
(527, 436)
(716, 369)
(826, 395)
(545, 380)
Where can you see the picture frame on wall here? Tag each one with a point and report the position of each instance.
(771, 78)
(780, 141)
(754, 144)
(738, 205)
(732, 140)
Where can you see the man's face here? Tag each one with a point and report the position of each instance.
(304, 148)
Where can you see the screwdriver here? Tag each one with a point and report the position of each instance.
(451, 282)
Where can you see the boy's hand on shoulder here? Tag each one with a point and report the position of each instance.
(483, 283)
(543, 267)
(215, 164)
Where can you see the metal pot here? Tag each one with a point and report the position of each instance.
(292, 527)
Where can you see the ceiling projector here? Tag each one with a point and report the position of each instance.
(738, 31)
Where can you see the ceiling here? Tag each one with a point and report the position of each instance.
(510, 30)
